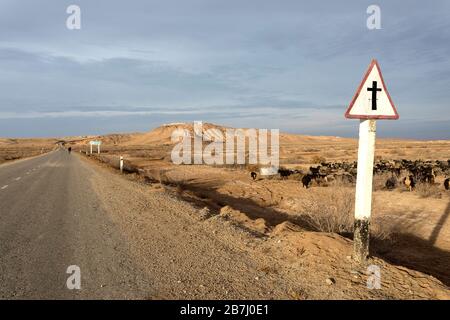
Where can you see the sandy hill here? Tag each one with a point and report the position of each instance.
(116, 139)
(26, 141)
(295, 148)
(108, 139)
(162, 135)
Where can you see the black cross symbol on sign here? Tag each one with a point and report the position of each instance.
(374, 90)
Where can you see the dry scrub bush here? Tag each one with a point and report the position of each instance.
(383, 229)
(339, 181)
(426, 190)
(332, 210)
(329, 209)
(160, 176)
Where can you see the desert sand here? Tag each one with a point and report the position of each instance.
(305, 229)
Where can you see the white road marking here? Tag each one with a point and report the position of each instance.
(4, 187)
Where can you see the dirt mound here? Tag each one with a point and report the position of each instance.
(242, 219)
(285, 227)
(326, 258)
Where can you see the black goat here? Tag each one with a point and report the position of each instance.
(306, 180)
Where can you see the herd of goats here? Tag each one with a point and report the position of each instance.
(417, 171)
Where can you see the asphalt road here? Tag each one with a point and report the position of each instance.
(129, 242)
(49, 220)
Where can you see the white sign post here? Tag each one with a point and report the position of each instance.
(121, 164)
(95, 143)
(371, 102)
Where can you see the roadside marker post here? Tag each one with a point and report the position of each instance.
(121, 164)
(370, 103)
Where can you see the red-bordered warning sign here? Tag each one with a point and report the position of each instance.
(372, 100)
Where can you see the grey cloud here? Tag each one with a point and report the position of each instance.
(258, 61)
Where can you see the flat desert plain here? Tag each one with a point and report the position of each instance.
(307, 230)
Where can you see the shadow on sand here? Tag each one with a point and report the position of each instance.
(403, 249)
(438, 228)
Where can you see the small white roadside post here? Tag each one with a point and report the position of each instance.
(121, 164)
(371, 102)
(91, 149)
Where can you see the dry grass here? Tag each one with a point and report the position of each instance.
(383, 229)
(340, 181)
(426, 190)
(9, 154)
(318, 159)
(332, 210)
(253, 167)
(379, 181)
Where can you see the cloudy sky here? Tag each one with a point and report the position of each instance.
(287, 64)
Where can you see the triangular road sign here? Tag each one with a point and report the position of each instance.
(372, 100)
